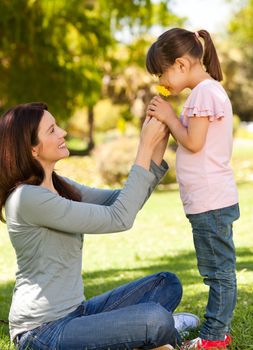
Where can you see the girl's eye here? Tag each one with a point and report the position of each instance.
(52, 130)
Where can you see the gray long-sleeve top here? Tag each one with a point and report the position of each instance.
(46, 231)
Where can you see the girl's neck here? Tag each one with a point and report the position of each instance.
(197, 75)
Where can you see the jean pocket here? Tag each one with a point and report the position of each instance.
(225, 220)
(45, 337)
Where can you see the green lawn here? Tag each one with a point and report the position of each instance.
(160, 240)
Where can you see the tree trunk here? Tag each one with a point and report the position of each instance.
(91, 142)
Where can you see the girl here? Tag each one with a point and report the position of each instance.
(46, 217)
(207, 187)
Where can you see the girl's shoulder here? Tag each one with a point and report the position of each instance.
(207, 99)
(209, 88)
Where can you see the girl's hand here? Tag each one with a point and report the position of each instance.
(152, 133)
(193, 137)
(161, 110)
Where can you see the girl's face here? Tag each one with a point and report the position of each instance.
(174, 78)
(51, 146)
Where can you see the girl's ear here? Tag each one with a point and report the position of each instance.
(183, 64)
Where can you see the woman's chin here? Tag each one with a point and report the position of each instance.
(65, 153)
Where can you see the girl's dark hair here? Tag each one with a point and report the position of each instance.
(175, 43)
(18, 133)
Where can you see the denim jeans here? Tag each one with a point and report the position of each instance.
(213, 241)
(135, 315)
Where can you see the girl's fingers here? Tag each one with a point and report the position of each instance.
(150, 113)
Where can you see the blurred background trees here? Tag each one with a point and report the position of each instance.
(239, 61)
(62, 51)
(86, 60)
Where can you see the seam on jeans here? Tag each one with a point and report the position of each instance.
(37, 340)
(125, 296)
(110, 345)
(217, 219)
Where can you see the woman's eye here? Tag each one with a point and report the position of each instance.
(52, 130)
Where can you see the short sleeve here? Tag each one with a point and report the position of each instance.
(206, 100)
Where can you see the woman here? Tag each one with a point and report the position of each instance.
(47, 216)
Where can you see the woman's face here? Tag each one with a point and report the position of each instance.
(51, 146)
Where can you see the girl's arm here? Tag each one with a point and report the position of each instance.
(192, 138)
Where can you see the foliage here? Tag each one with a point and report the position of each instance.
(61, 53)
(115, 158)
(239, 67)
(236, 124)
(54, 56)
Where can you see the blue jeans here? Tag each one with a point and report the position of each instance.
(213, 241)
(135, 315)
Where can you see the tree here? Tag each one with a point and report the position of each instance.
(57, 51)
(239, 62)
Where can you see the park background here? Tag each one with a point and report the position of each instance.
(86, 60)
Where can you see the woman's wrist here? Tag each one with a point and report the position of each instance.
(143, 157)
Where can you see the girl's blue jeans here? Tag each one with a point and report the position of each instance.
(135, 315)
(213, 240)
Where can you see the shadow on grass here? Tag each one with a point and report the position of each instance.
(244, 259)
(184, 265)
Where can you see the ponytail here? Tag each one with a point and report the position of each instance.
(210, 57)
(177, 42)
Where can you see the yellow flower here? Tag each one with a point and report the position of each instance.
(163, 91)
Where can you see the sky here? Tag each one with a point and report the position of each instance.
(212, 15)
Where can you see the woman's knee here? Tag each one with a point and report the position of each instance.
(173, 285)
(172, 279)
(160, 325)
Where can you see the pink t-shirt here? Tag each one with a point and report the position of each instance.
(205, 178)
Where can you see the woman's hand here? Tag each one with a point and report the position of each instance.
(152, 134)
(161, 110)
(160, 149)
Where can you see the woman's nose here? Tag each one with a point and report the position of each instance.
(62, 132)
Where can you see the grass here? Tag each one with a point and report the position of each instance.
(159, 241)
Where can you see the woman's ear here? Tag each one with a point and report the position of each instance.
(35, 151)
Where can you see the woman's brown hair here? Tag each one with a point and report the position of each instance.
(177, 42)
(18, 134)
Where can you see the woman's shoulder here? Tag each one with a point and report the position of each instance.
(25, 193)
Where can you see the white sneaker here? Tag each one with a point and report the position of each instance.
(185, 321)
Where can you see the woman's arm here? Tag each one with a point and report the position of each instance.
(106, 196)
(40, 207)
(192, 138)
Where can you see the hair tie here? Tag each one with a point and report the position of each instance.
(196, 34)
